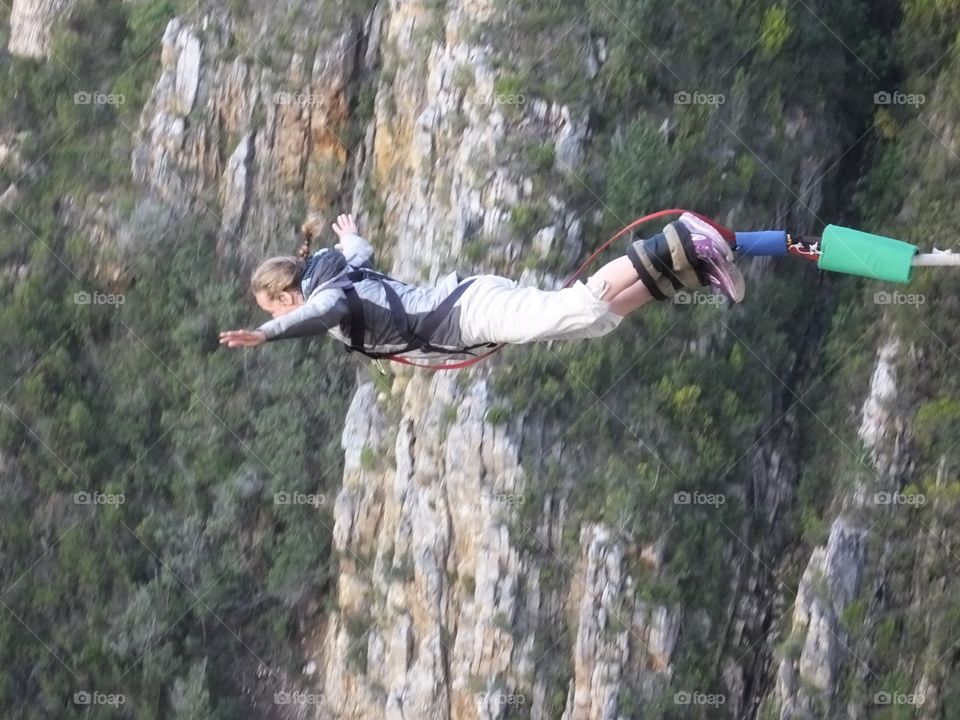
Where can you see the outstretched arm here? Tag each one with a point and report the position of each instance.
(321, 312)
(355, 248)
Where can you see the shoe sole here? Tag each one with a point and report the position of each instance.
(727, 279)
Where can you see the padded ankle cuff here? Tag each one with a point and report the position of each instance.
(681, 246)
(659, 286)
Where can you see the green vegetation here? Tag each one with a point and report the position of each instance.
(368, 458)
(464, 76)
(526, 219)
(171, 596)
(498, 415)
(174, 595)
(541, 157)
(792, 365)
(358, 632)
(105, 58)
(774, 30)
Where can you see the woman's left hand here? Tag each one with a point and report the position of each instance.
(242, 338)
(345, 225)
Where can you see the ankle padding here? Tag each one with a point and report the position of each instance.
(653, 279)
(659, 253)
(681, 243)
(684, 241)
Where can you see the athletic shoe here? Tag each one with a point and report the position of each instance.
(716, 259)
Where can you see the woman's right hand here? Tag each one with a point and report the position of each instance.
(242, 338)
(345, 225)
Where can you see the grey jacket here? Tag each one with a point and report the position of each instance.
(325, 309)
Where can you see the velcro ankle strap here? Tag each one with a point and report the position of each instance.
(645, 277)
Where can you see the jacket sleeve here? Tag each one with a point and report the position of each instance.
(356, 249)
(319, 313)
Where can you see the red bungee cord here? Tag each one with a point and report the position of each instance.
(727, 234)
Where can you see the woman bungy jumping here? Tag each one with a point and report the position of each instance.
(336, 291)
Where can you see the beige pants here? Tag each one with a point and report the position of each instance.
(499, 310)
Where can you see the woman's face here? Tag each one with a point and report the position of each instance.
(286, 302)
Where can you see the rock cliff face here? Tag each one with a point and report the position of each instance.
(441, 610)
(829, 584)
(440, 613)
(436, 135)
(11, 162)
(451, 619)
(240, 137)
(459, 624)
(819, 647)
(30, 25)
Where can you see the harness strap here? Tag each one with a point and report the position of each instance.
(662, 259)
(645, 276)
(686, 241)
(399, 316)
(432, 322)
(356, 311)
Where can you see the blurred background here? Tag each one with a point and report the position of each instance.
(713, 512)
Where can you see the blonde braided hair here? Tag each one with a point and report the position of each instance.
(283, 273)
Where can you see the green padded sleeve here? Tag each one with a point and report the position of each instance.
(859, 253)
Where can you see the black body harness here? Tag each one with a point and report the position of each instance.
(401, 320)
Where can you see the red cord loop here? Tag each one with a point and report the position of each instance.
(727, 234)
